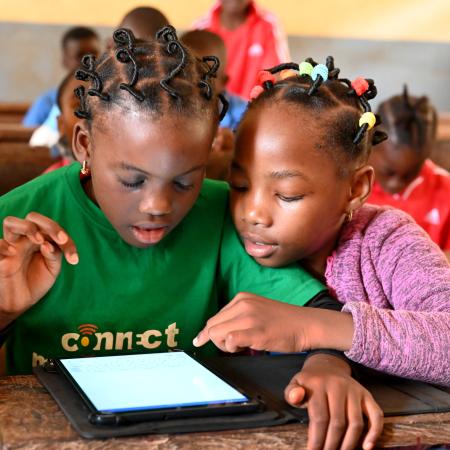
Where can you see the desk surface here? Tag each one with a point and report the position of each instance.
(29, 418)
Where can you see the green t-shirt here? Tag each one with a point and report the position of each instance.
(124, 299)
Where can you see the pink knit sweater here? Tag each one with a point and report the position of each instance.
(396, 284)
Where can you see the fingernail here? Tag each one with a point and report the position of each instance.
(12, 250)
(368, 446)
(195, 342)
(39, 238)
(73, 258)
(62, 237)
(50, 248)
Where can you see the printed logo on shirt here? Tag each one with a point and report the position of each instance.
(433, 217)
(89, 337)
(255, 49)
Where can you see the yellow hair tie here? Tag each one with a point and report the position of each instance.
(369, 118)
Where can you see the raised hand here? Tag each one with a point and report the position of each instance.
(30, 260)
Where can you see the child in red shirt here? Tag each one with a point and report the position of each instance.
(405, 177)
(253, 38)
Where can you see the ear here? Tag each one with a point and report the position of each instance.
(82, 142)
(360, 187)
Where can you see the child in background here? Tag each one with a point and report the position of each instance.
(144, 22)
(405, 177)
(67, 103)
(299, 181)
(253, 38)
(149, 249)
(204, 43)
(76, 42)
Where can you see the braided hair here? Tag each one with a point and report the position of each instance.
(410, 121)
(159, 76)
(340, 105)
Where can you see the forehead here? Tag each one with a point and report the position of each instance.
(68, 94)
(87, 45)
(398, 156)
(280, 136)
(280, 128)
(142, 133)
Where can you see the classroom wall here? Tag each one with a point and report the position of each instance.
(393, 41)
(414, 20)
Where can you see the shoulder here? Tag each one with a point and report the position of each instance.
(213, 196)
(378, 229)
(437, 175)
(267, 17)
(36, 193)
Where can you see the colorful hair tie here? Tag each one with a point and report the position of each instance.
(360, 86)
(287, 73)
(305, 68)
(265, 76)
(256, 91)
(368, 118)
(321, 70)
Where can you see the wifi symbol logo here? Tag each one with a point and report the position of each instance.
(86, 330)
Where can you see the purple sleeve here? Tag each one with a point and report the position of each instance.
(412, 337)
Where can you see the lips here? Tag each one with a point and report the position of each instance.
(258, 248)
(149, 234)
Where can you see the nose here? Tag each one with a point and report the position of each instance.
(156, 203)
(256, 210)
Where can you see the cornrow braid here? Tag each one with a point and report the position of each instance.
(124, 53)
(137, 74)
(318, 87)
(410, 121)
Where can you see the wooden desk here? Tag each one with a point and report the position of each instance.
(12, 112)
(29, 418)
(15, 132)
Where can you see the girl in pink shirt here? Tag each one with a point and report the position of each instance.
(299, 181)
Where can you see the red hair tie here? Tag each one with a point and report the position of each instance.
(265, 76)
(256, 90)
(360, 86)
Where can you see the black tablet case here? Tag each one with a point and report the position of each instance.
(263, 376)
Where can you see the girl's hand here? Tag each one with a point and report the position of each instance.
(336, 405)
(30, 260)
(251, 321)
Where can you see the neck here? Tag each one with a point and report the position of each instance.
(316, 264)
(233, 19)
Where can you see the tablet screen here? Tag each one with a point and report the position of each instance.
(151, 381)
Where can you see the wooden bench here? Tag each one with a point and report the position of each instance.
(20, 163)
(13, 112)
(15, 132)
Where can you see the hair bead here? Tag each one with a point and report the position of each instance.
(265, 77)
(368, 118)
(287, 73)
(256, 91)
(321, 70)
(360, 85)
(305, 68)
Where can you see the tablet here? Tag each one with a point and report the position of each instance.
(155, 386)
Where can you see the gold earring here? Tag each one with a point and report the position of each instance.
(84, 168)
(349, 216)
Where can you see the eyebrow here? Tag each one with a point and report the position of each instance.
(281, 174)
(126, 166)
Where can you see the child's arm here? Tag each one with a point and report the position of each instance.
(336, 402)
(30, 260)
(413, 338)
